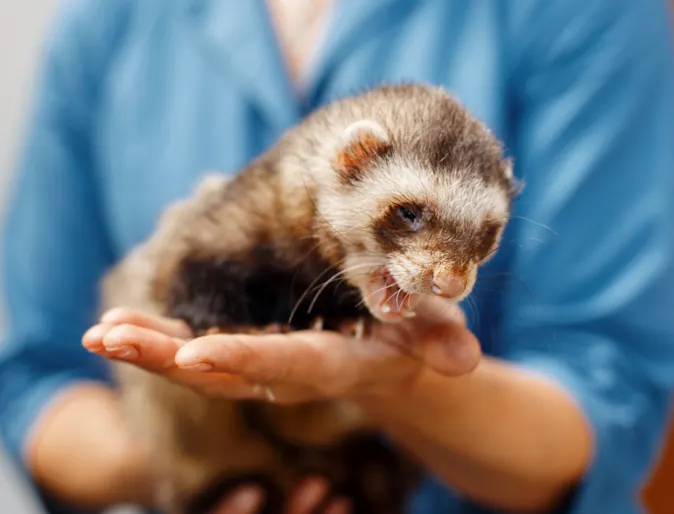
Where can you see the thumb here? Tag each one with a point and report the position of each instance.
(446, 344)
(449, 348)
(437, 335)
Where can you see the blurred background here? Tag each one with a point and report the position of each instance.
(22, 27)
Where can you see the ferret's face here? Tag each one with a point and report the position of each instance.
(410, 228)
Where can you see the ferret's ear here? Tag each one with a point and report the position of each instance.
(362, 142)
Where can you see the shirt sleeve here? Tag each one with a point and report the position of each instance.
(592, 286)
(55, 243)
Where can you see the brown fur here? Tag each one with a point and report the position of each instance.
(359, 155)
(292, 214)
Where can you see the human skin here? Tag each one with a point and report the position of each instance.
(500, 435)
(83, 426)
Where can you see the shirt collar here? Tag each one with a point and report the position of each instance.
(241, 37)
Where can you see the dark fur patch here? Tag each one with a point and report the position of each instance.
(455, 142)
(461, 242)
(391, 230)
(486, 238)
(259, 290)
(256, 290)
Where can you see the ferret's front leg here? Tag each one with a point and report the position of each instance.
(211, 293)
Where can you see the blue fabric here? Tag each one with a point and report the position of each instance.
(137, 98)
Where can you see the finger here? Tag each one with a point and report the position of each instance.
(313, 364)
(246, 500)
(149, 349)
(436, 309)
(339, 506)
(92, 339)
(299, 357)
(448, 348)
(155, 352)
(171, 327)
(451, 350)
(307, 497)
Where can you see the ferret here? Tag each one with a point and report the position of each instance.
(365, 205)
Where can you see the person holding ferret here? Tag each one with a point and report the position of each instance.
(548, 393)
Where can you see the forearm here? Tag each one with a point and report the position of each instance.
(81, 454)
(499, 435)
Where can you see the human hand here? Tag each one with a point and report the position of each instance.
(302, 365)
(306, 498)
(295, 367)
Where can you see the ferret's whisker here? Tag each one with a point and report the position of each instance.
(392, 296)
(476, 311)
(535, 223)
(305, 293)
(397, 297)
(331, 279)
(362, 301)
(342, 272)
(297, 272)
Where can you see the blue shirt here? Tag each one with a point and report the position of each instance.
(137, 98)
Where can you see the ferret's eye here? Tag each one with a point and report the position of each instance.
(407, 214)
(411, 216)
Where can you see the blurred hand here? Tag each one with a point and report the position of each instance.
(299, 366)
(294, 367)
(305, 500)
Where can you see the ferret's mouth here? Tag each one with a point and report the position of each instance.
(387, 300)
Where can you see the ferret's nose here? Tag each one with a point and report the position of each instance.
(449, 286)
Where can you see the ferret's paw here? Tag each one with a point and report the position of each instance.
(358, 328)
(273, 328)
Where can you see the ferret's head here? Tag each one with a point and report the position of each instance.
(417, 206)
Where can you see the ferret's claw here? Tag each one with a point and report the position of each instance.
(318, 323)
(359, 328)
(274, 328)
(354, 328)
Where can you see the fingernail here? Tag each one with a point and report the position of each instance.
(96, 334)
(188, 359)
(123, 352)
(339, 506)
(312, 493)
(247, 499)
(199, 366)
